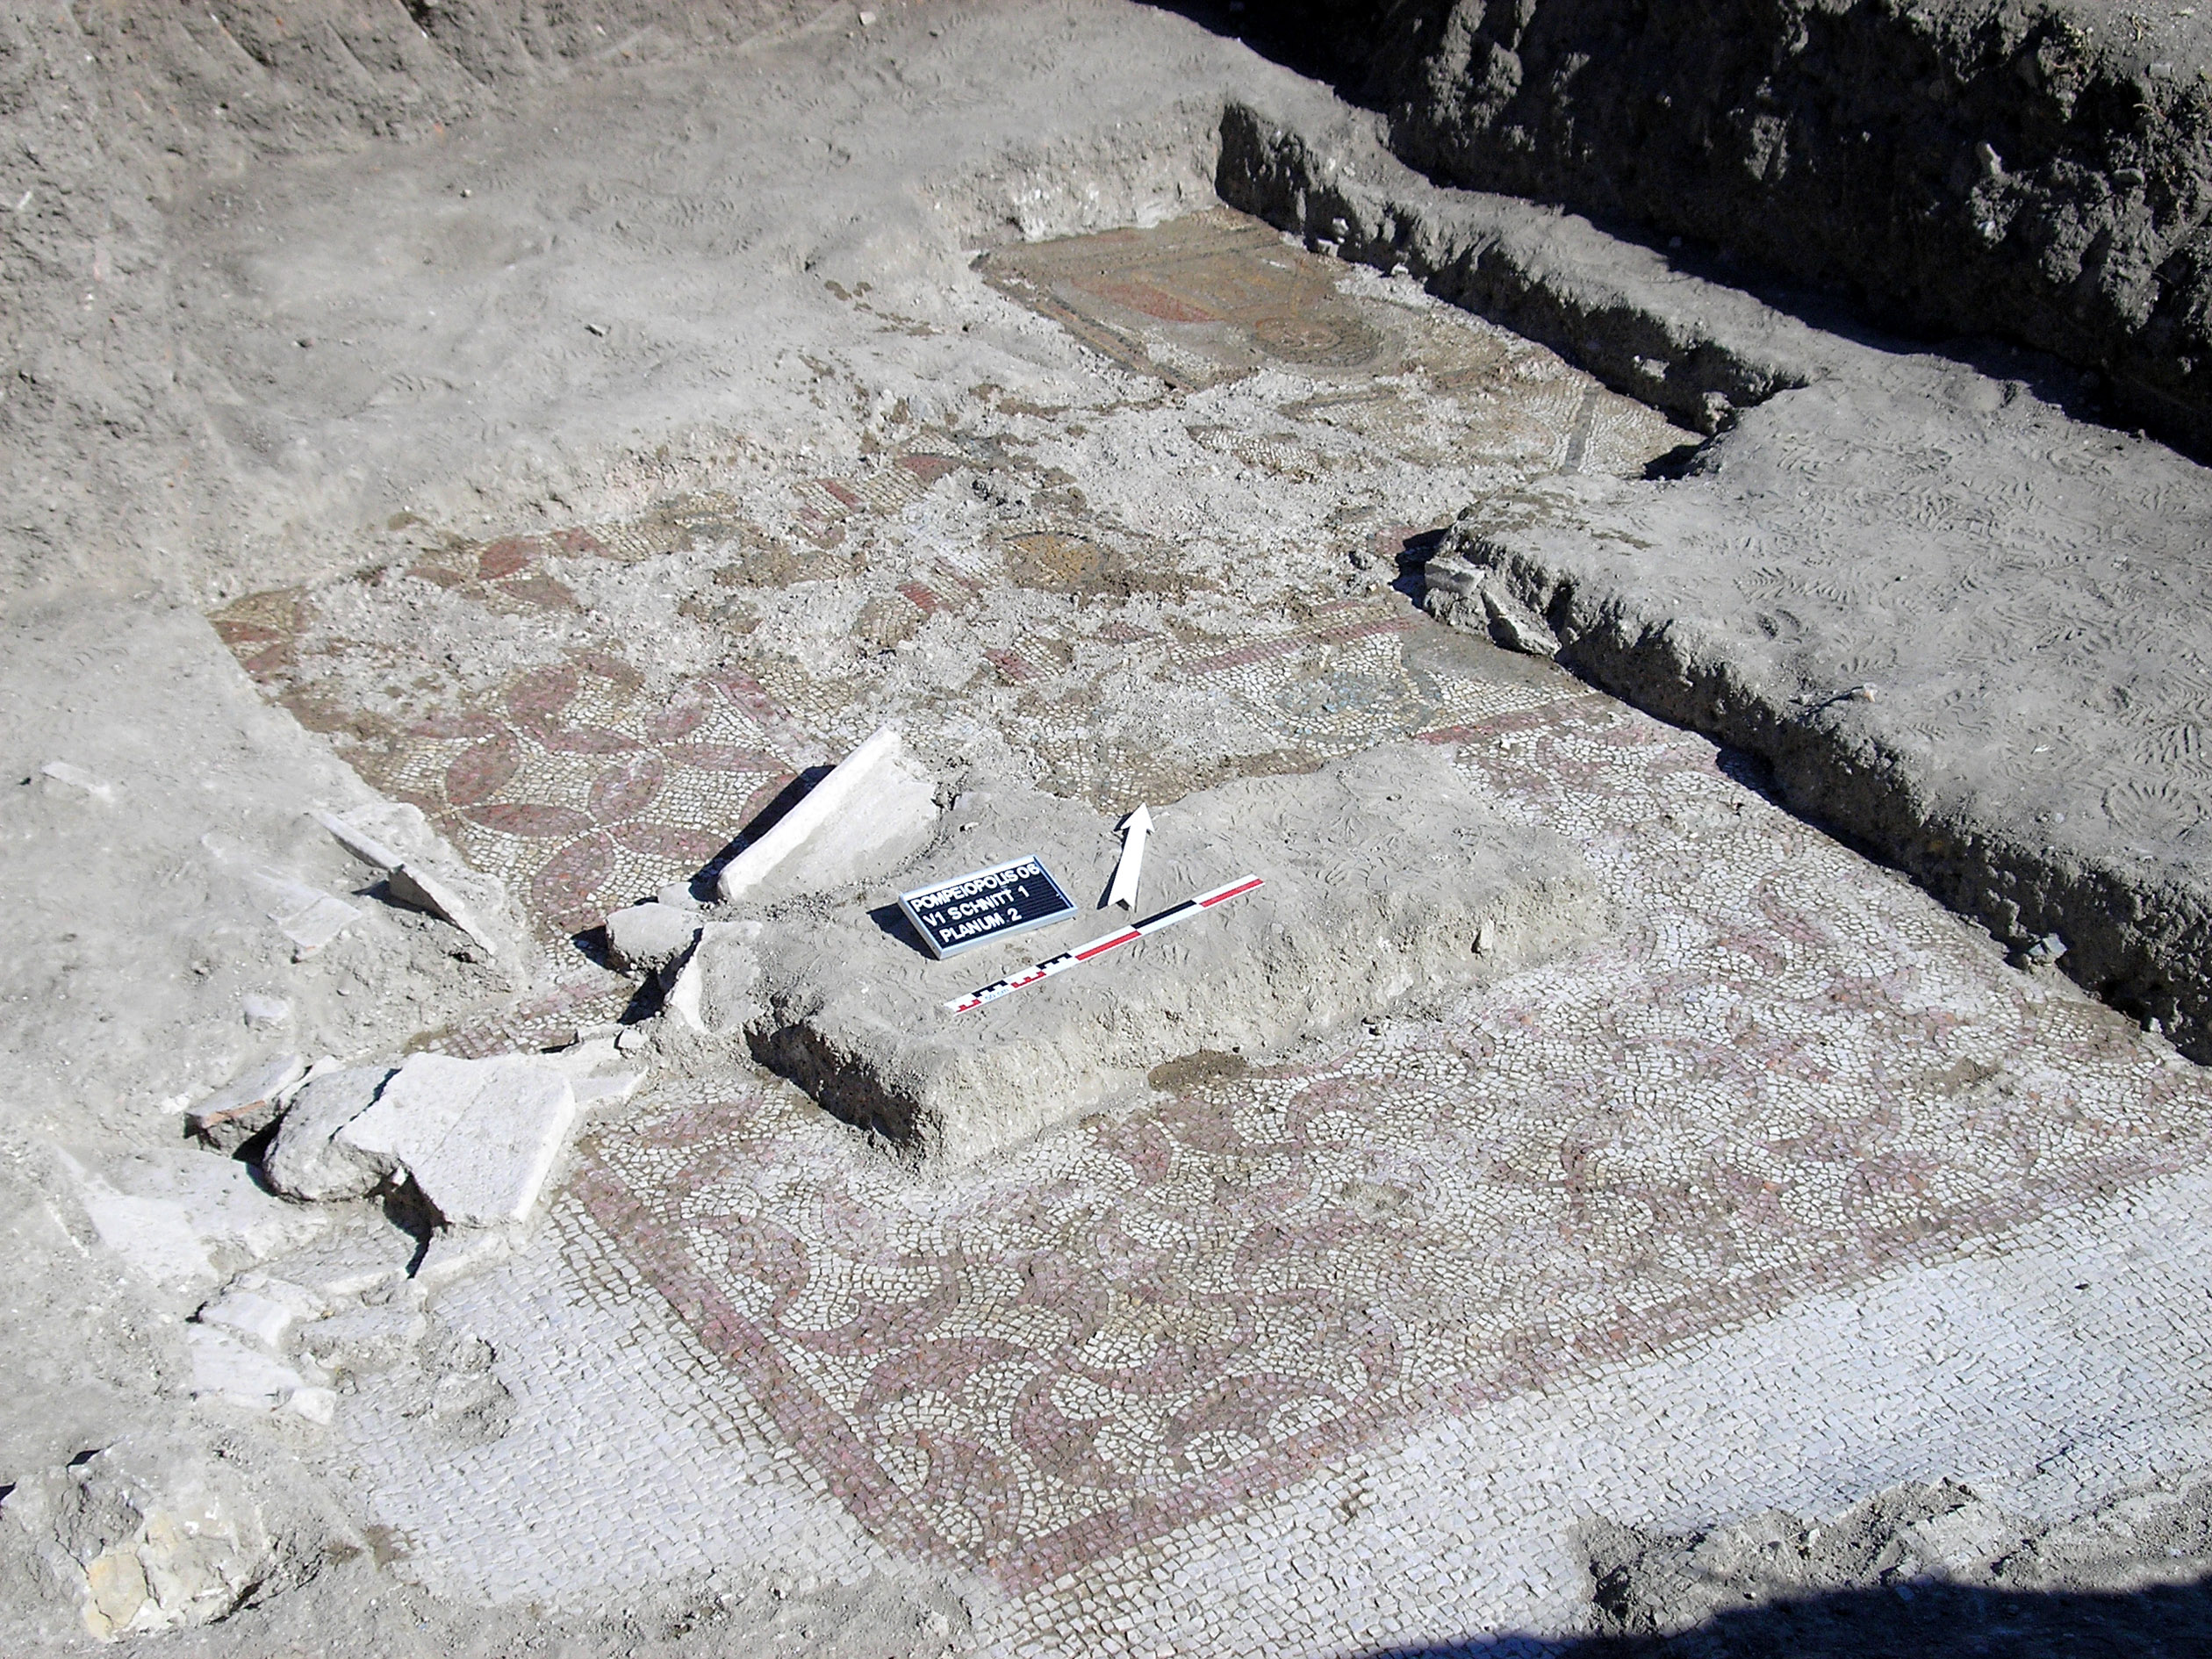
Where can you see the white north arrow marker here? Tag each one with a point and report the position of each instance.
(1134, 829)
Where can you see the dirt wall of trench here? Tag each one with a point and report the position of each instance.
(2037, 172)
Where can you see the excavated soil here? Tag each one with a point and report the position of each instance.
(552, 438)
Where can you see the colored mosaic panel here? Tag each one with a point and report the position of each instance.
(1754, 1092)
(1218, 268)
(1216, 296)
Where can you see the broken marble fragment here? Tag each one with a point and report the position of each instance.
(873, 809)
(420, 889)
(479, 1138)
(228, 1367)
(184, 1219)
(411, 884)
(304, 1162)
(645, 938)
(242, 1107)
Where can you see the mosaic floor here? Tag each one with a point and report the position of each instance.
(1788, 1073)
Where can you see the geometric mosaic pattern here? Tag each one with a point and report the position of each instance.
(1782, 1070)
(1742, 1099)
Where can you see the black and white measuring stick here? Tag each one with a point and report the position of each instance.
(1105, 943)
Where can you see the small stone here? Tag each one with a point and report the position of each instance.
(76, 778)
(308, 916)
(647, 938)
(317, 1406)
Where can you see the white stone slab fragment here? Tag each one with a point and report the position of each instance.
(610, 1090)
(456, 1252)
(597, 1071)
(316, 923)
(154, 1235)
(411, 885)
(479, 1138)
(362, 845)
(251, 1315)
(226, 1368)
(317, 1406)
(875, 806)
(686, 994)
(184, 1219)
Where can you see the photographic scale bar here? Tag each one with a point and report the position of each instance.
(1105, 943)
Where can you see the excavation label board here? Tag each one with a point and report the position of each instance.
(956, 915)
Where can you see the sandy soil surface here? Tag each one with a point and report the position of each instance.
(550, 444)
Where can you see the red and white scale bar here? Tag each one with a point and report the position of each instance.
(1105, 943)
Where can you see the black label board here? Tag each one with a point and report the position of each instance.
(956, 915)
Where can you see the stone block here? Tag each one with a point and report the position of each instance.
(872, 810)
(479, 1138)
(305, 1160)
(645, 938)
(1389, 881)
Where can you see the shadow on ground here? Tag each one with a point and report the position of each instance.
(1908, 1621)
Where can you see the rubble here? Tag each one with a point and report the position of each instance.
(479, 1139)
(235, 1113)
(140, 1536)
(305, 1160)
(645, 938)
